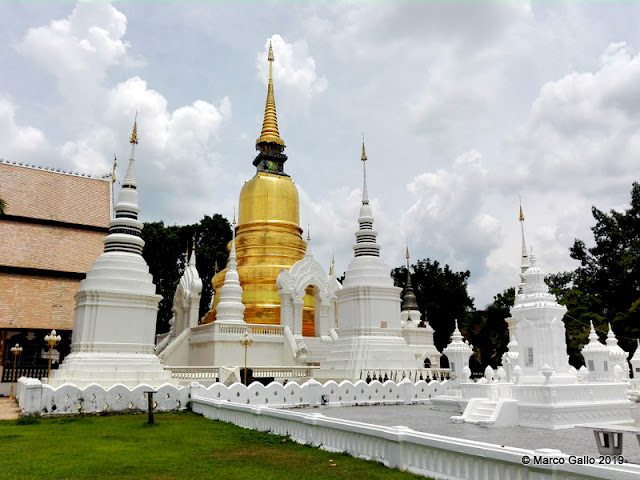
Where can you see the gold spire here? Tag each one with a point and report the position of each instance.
(194, 243)
(269, 133)
(521, 214)
(234, 217)
(134, 134)
(364, 153)
(308, 232)
(407, 255)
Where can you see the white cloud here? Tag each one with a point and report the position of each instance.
(293, 68)
(78, 50)
(583, 127)
(19, 143)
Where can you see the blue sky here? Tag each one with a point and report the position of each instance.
(465, 106)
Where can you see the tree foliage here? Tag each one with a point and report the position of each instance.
(441, 294)
(165, 252)
(3, 207)
(488, 331)
(606, 286)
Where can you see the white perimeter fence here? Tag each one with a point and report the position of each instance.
(36, 398)
(423, 453)
(261, 408)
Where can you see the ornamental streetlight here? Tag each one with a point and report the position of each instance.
(246, 340)
(17, 350)
(52, 340)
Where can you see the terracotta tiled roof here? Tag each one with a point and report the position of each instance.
(37, 302)
(47, 247)
(30, 192)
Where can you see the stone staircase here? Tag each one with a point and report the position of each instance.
(9, 409)
(489, 413)
(482, 409)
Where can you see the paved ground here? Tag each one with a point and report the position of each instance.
(423, 418)
(8, 409)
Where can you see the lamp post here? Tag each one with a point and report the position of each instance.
(17, 350)
(246, 340)
(52, 340)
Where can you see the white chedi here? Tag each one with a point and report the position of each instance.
(116, 305)
(230, 308)
(458, 353)
(539, 328)
(369, 329)
(596, 358)
(617, 356)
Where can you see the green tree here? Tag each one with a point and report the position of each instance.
(441, 294)
(605, 288)
(488, 331)
(166, 250)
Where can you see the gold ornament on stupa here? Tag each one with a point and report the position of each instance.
(268, 233)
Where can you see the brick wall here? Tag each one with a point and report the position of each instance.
(50, 248)
(37, 302)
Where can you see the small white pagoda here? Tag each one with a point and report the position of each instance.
(116, 306)
(369, 329)
(537, 387)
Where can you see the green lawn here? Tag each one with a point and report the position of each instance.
(179, 445)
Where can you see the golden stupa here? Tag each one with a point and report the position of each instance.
(268, 234)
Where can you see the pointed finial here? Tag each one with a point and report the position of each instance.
(194, 243)
(333, 264)
(269, 133)
(308, 232)
(113, 172)
(365, 194)
(234, 217)
(134, 134)
(521, 214)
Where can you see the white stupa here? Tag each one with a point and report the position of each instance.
(458, 353)
(369, 329)
(537, 325)
(230, 308)
(116, 306)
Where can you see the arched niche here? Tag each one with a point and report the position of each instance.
(292, 285)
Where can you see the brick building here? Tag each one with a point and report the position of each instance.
(50, 235)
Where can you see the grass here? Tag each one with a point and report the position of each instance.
(178, 445)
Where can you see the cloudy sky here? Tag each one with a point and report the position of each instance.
(465, 106)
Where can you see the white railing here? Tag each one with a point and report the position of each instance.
(254, 328)
(314, 393)
(396, 375)
(34, 398)
(194, 373)
(283, 372)
(207, 374)
(401, 447)
(38, 399)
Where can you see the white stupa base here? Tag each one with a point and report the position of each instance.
(549, 406)
(565, 406)
(106, 369)
(351, 356)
